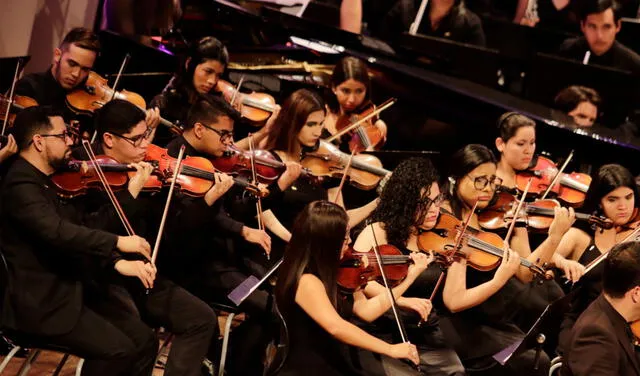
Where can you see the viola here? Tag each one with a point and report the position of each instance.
(354, 273)
(95, 93)
(367, 135)
(327, 160)
(256, 107)
(571, 188)
(482, 250)
(537, 215)
(236, 161)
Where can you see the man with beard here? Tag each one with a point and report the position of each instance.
(45, 240)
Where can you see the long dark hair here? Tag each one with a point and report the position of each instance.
(293, 116)
(605, 180)
(207, 48)
(349, 68)
(463, 162)
(401, 196)
(316, 242)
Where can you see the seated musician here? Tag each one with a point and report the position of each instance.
(412, 188)
(316, 311)
(124, 135)
(579, 102)
(472, 178)
(600, 22)
(613, 194)
(205, 256)
(601, 341)
(350, 95)
(72, 62)
(205, 64)
(297, 129)
(43, 240)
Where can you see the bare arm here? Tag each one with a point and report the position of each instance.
(351, 16)
(356, 215)
(274, 225)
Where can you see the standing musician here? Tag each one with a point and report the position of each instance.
(613, 193)
(298, 128)
(413, 188)
(43, 240)
(72, 62)
(124, 135)
(315, 312)
(472, 178)
(350, 95)
(207, 261)
(601, 340)
(205, 64)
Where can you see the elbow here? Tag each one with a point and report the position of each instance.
(452, 304)
(524, 276)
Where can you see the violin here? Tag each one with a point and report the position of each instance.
(196, 175)
(367, 135)
(570, 188)
(95, 93)
(327, 160)
(537, 215)
(20, 102)
(257, 107)
(236, 161)
(354, 273)
(482, 250)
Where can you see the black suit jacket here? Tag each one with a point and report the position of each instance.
(44, 245)
(600, 344)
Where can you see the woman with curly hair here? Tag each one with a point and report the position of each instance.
(410, 203)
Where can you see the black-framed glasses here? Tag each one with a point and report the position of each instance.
(225, 135)
(426, 202)
(63, 136)
(480, 182)
(136, 141)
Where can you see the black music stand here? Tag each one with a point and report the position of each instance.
(7, 70)
(548, 323)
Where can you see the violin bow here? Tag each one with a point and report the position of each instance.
(353, 126)
(515, 214)
(392, 299)
(235, 92)
(10, 99)
(112, 197)
(558, 175)
(114, 92)
(604, 255)
(254, 177)
(176, 172)
(344, 177)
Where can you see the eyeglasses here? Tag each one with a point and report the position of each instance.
(136, 141)
(480, 182)
(426, 202)
(225, 135)
(63, 136)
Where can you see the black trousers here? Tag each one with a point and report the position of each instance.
(111, 345)
(192, 322)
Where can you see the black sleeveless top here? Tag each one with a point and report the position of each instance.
(313, 351)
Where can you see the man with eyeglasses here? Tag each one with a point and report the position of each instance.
(216, 262)
(45, 242)
(124, 135)
(72, 63)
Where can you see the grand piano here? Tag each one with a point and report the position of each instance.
(449, 94)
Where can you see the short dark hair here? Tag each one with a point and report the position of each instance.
(622, 269)
(32, 121)
(83, 38)
(117, 116)
(207, 109)
(569, 98)
(589, 7)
